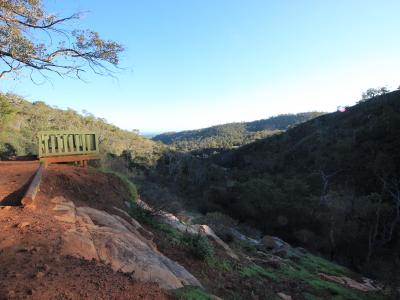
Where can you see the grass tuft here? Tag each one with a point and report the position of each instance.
(218, 264)
(132, 190)
(191, 293)
(255, 270)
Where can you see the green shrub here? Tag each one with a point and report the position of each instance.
(245, 246)
(316, 264)
(199, 245)
(255, 270)
(6, 110)
(131, 187)
(141, 215)
(221, 224)
(169, 230)
(337, 291)
(309, 296)
(218, 264)
(6, 151)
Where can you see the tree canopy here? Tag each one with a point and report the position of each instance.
(374, 92)
(21, 120)
(31, 38)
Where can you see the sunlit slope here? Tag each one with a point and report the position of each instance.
(21, 120)
(233, 134)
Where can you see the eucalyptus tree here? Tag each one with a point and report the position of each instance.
(33, 39)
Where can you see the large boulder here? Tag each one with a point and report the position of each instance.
(117, 241)
(103, 219)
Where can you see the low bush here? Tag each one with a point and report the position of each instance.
(221, 265)
(199, 245)
(7, 151)
(255, 270)
(221, 224)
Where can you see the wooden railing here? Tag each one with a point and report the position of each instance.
(65, 143)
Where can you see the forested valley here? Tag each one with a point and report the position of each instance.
(330, 184)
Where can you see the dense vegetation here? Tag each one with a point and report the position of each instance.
(21, 120)
(233, 134)
(330, 184)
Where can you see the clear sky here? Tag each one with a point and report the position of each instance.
(195, 63)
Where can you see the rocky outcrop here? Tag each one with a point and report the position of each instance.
(207, 231)
(241, 237)
(366, 286)
(275, 245)
(204, 230)
(283, 296)
(117, 241)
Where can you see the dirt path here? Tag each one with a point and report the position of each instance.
(14, 180)
(30, 243)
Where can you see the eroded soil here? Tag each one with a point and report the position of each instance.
(31, 267)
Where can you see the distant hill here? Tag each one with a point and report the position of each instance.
(20, 120)
(232, 135)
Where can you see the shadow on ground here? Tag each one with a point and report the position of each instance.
(14, 198)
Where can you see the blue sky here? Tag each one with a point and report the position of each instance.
(195, 63)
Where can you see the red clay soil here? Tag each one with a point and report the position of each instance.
(31, 267)
(14, 180)
(84, 187)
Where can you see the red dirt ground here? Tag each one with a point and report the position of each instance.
(31, 267)
(85, 187)
(14, 180)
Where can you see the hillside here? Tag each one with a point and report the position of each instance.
(232, 135)
(20, 120)
(85, 236)
(329, 184)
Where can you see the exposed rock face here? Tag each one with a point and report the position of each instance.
(241, 237)
(276, 245)
(205, 230)
(95, 234)
(283, 296)
(366, 286)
